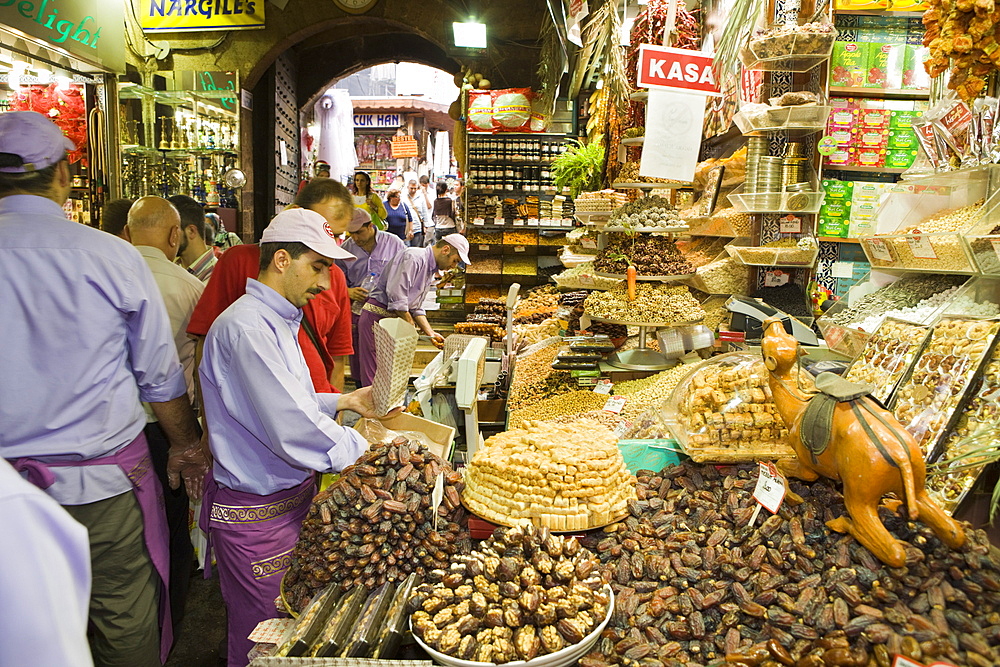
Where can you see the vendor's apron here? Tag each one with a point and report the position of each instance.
(371, 312)
(252, 537)
(134, 461)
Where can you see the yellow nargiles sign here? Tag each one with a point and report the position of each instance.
(193, 15)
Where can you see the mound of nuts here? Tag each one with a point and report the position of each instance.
(654, 303)
(376, 523)
(696, 583)
(524, 593)
(572, 403)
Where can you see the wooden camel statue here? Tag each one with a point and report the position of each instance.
(848, 437)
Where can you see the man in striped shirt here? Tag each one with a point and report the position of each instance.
(194, 254)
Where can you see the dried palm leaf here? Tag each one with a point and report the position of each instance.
(735, 35)
(602, 57)
(551, 65)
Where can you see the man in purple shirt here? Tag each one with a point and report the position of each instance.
(268, 428)
(400, 292)
(373, 249)
(86, 338)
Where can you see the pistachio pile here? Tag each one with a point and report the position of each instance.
(654, 303)
(376, 523)
(695, 582)
(524, 593)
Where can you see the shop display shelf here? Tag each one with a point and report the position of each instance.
(656, 279)
(678, 229)
(674, 185)
(582, 282)
(777, 202)
(571, 260)
(593, 217)
(866, 170)
(633, 141)
(803, 119)
(788, 52)
(839, 338)
(767, 256)
(888, 93)
(933, 253)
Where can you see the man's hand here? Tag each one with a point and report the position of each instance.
(437, 340)
(189, 464)
(357, 293)
(360, 401)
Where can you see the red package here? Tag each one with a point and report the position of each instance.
(512, 110)
(479, 117)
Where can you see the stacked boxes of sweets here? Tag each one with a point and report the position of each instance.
(942, 375)
(873, 133)
(879, 52)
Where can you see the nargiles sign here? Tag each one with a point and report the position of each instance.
(93, 31)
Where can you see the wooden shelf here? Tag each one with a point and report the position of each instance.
(868, 170)
(877, 12)
(880, 92)
(837, 239)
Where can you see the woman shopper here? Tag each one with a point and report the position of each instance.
(368, 199)
(399, 217)
(445, 216)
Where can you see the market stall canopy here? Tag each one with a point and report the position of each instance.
(435, 113)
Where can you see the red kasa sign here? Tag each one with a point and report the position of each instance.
(682, 69)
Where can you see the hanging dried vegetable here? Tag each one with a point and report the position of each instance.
(963, 35)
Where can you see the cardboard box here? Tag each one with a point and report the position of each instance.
(867, 189)
(844, 155)
(848, 64)
(861, 225)
(870, 157)
(872, 137)
(900, 158)
(842, 117)
(837, 227)
(835, 189)
(440, 437)
(836, 208)
(915, 77)
(861, 4)
(874, 118)
(842, 135)
(864, 207)
(903, 120)
(903, 138)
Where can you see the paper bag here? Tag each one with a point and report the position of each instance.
(395, 347)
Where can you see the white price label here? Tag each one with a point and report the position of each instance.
(589, 243)
(519, 248)
(483, 246)
(586, 280)
(776, 278)
(622, 427)
(770, 490)
(996, 246)
(790, 224)
(437, 495)
(603, 386)
(903, 661)
(842, 269)
(879, 250)
(921, 247)
(479, 222)
(519, 222)
(615, 404)
(532, 222)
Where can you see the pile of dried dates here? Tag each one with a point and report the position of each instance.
(651, 256)
(376, 523)
(523, 594)
(696, 584)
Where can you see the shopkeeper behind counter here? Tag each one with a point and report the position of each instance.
(268, 428)
(373, 249)
(400, 292)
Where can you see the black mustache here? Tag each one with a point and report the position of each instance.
(316, 291)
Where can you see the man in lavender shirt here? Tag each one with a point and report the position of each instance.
(373, 249)
(400, 292)
(268, 428)
(86, 338)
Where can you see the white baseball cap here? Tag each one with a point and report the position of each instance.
(300, 225)
(459, 243)
(30, 142)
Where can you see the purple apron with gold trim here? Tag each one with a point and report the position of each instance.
(134, 461)
(252, 537)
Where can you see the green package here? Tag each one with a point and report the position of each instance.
(848, 64)
(835, 189)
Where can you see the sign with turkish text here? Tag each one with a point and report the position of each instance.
(89, 30)
(674, 120)
(377, 120)
(680, 69)
(404, 147)
(195, 15)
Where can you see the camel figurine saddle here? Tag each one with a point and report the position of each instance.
(817, 421)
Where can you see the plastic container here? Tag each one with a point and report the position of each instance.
(601, 344)
(774, 256)
(806, 118)
(366, 630)
(562, 658)
(789, 48)
(777, 202)
(723, 412)
(301, 636)
(928, 401)
(887, 356)
(936, 253)
(726, 222)
(334, 635)
(394, 628)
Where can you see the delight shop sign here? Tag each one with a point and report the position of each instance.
(91, 30)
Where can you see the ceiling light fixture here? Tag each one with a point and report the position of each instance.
(470, 34)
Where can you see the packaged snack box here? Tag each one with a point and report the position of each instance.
(848, 64)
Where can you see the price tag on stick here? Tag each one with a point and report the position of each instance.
(615, 404)
(770, 490)
(437, 495)
(603, 386)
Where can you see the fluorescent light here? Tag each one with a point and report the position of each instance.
(470, 35)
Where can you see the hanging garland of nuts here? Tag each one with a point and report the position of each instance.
(376, 523)
(525, 593)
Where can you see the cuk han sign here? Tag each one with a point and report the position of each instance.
(680, 69)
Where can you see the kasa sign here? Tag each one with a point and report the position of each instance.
(681, 69)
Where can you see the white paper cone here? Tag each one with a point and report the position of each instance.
(395, 347)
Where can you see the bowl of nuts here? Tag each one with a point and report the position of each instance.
(526, 597)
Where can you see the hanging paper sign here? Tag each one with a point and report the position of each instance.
(404, 147)
(680, 69)
(674, 121)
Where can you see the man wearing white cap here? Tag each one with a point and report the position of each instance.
(400, 292)
(268, 428)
